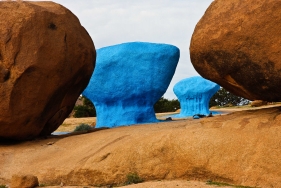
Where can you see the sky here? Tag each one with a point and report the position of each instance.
(111, 22)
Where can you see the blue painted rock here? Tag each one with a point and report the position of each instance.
(194, 95)
(128, 80)
(46, 61)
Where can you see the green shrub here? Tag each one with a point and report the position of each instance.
(133, 178)
(3, 186)
(84, 111)
(83, 127)
(226, 98)
(166, 105)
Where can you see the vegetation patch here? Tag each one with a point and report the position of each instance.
(83, 127)
(224, 98)
(133, 178)
(3, 186)
(85, 110)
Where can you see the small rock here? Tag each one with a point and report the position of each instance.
(257, 103)
(196, 117)
(26, 181)
(169, 119)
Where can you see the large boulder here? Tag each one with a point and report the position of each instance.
(194, 94)
(46, 61)
(237, 44)
(128, 80)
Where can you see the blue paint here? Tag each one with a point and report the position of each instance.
(196, 117)
(128, 80)
(194, 95)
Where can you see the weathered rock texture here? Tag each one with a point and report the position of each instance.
(258, 103)
(237, 44)
(128, 80)
(239, 148)
(24, 181)
(46, 60)
(194, 95)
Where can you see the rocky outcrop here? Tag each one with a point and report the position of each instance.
(194, 94)
(128, 80)
(242, 148)
(46, 61)
(237, 45)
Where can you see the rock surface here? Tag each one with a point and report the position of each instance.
(128, 80)
(24, 181)
(258, 103)
(237, 44)
(194, 94)
(238, 148)
(46, 61)
(157, 184)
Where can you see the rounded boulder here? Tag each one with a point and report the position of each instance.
(46, 60)
(237, 44)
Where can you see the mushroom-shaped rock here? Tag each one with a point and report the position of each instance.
(128, 80)
(46, 61)
(194, 94)
(237, 44)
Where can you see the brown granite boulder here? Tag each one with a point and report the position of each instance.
(237, 44)
(46, 61)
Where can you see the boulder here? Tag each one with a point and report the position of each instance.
(128, 80)
(237, 44)
(46, 61)
(24, 181)
(194, 94)
(258, 103)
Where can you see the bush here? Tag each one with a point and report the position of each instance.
(165, 105)
(83, 127)
(133, 178)
(85, 110)
(226, 99)
(3, 186)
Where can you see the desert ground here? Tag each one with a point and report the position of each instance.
(241, 147)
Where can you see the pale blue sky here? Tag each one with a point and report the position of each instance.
(112, 22)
